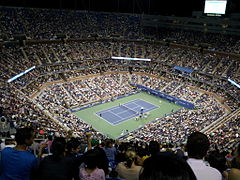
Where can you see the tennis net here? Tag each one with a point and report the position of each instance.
(135, 112)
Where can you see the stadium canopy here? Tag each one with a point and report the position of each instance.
(182, 69)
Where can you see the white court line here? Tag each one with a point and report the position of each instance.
(123, 112)
(129, 117)
(108, 109)
(114, 112)
(103, 118)
(116, 115)
(122, 120)
(148, 109)
(125, 118)
(109, 112)
(115, 107)
(149, 102)
(116, 122)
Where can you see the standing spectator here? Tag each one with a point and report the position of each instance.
(18, 163)
(73, 153)
(102, 160)
(111, 152)
(57, 166)
(2, 144)
(180, 152)
(154, 149)
(197, 147)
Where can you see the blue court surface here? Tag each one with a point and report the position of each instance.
(126, 111)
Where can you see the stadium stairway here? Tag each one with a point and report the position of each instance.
(70, 96)
(130, 76)
(166, 86)
(176, 89)
(24, 54)
(48, 114)
(63, 53)
(218, 65)
(46, 56)
(111, 49)
(38, 59)
(54, 54)
(121, 78)
(206, 67)
(216, 124)
(45, 112)
(226, 70)
(79, 93)
(198, 97)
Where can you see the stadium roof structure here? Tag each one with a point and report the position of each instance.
(168, 8)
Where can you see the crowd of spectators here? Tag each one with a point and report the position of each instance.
(178, 125)
(214, 41)
(227, 133)
(19, 111)
(89, 158)
(46, 23)
(80, 72)
(79, 92)
(99, 91)
(91, 90)
(45, 54)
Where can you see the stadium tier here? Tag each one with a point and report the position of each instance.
(56, 76)
(113, 78)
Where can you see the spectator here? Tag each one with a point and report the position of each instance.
(9, 143)
(154, 149)
(91, 171)
(113, 176)
(197, 147)
(102, 160)
(217, 160)
(234, 173)
(129, 170)
(73, 154)
(167, 167)
(180, 152)
(57, 166)
(110, 151)
(18, 163)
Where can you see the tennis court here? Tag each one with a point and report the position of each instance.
(123, 112)
(113, 128)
